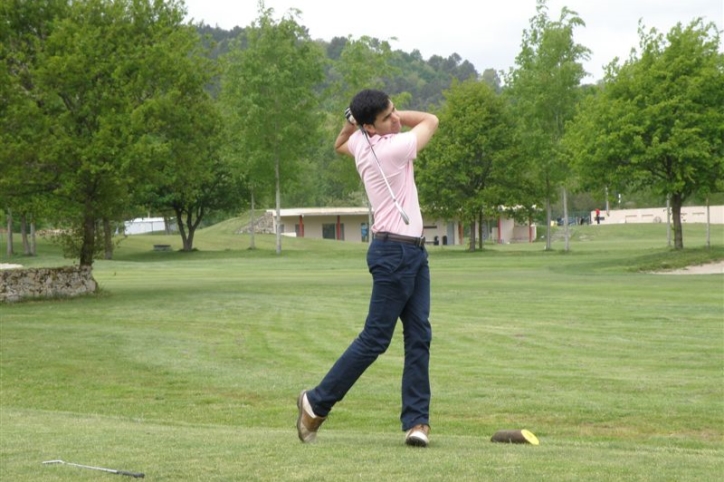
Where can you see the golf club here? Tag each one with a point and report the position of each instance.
(137, 475)
(405, 218)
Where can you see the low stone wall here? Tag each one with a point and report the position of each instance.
(68, 281)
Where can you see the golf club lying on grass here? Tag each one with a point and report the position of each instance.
(137, 475)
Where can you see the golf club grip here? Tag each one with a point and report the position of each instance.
(137, 475)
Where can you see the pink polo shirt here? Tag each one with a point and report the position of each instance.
(395, 153)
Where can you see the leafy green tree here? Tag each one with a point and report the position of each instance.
(180, 129)
(363, 63)
(322, 179)
(190, 177)
(25, 178)
(93, 64)
(275, 107)
(470, 165)
(658, 121)
(544, 91)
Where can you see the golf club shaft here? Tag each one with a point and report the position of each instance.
(405, 218)
(137, 475)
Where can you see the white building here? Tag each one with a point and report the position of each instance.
(689, 214)
(352, 224)
(144, 225)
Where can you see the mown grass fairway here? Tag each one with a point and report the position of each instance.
(186, 366)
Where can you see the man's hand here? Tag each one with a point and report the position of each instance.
(348, 115)
(340, 144)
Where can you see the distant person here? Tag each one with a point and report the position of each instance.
(598, 216)
(396, 258)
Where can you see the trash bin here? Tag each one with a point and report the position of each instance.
(444, 240)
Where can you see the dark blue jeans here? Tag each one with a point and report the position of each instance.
(400, 289)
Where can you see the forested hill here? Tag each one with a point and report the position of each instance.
(424, 79)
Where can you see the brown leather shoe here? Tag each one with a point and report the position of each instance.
(418, 436)
(307, 422)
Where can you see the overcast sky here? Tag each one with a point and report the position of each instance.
(486, 33)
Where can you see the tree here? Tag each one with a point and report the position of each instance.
(363, 63)
(25, 178)
(657, 122)
(90, 66)
(191, 178)
(543, 89)
(275, 101)
(180, 128)
(469, 166)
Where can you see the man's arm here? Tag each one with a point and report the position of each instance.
(423, 125)
(340, 145)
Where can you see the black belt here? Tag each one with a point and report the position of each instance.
(419, 242)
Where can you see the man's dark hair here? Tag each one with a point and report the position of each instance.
(367, 105)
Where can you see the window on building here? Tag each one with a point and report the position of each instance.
(329, 231)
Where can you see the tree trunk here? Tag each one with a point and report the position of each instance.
(708, 224)
(33, 243)
(24, 233)
(182, 229)
(668, 221)
(278, 206)
(87, 248)
(471, 245)
(565, 220)
(10, 250)
(548, 224)
(252, 243)
(107, 239)
(480, 231)
(676, 202)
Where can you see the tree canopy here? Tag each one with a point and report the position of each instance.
(657, 121)
(543, 89)
(470, 165)
(270, 89)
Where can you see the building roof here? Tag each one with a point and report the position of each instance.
(312, 212)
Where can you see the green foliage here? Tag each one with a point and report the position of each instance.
(181, 131)
(657, 122)
(24, 130)
(81, 68)
(270, 99)
(361, 63)
(108, 110)
(469, 167)
(544, 91)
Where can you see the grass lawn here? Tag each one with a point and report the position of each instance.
(186, 366)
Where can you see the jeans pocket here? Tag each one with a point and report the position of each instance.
(385, 257)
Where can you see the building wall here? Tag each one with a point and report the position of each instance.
(350, 226)
(508, 231)
(352, 229)
(689, 214)
(144, 225)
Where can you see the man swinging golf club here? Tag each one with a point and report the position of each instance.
(396, 258)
